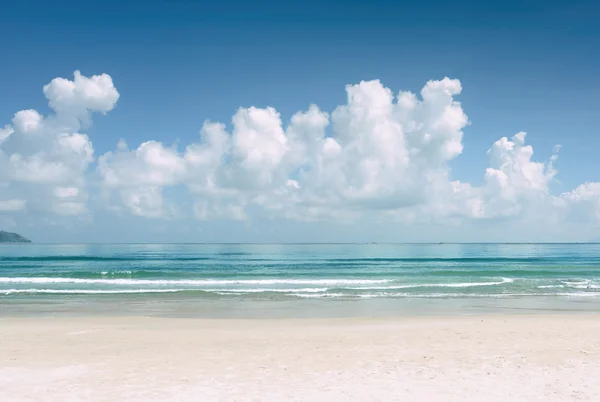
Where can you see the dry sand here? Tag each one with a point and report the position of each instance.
(491, 358)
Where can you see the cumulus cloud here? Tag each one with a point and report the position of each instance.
(581, 204)
(5, 132)
(514, 182)
(139, 176)
(382, 155)
(384, 152)
(81, 96)
(43, 159)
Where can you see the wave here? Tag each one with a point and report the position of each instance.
(354, 283)
(341, 283)
(61, 258)
(265, 290)
(197, 282)
(580, 284)
(576, 282)
(88, 291)
(293, 292)
(324, 261)
(440, 295)
(319, 296)
(532, 272)
(438, 285)
(465, 259)
(136, 291)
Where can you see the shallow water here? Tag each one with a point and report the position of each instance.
(235, 280)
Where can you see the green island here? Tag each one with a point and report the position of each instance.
(8, 237)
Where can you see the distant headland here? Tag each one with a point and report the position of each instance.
(8, 237)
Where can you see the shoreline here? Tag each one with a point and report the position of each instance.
(175, 307)
(445, 358)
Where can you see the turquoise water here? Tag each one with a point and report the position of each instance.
(246, 278)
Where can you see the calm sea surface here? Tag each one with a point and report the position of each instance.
(298, 280)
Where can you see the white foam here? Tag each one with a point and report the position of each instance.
(437, 285)
(588, 286)
(581, 284)
(469, 284)
(576, 282)
(441, 295)
(301, 293)
(229, 293)
(197, 282)
(318, 296)
(88, 291)
(262, 290)
(126, 272)
(125, 291)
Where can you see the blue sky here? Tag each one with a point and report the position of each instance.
(523, 66)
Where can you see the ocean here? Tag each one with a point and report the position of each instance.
(298, 280)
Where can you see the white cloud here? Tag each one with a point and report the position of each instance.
(582, 204)
(81, 96)
(12, 205)
(381, 155)
(513, 172)
(41, 156)
(139, 176)
(385, 154)
(5, 132)
(146, 202)
(515, 183)
(151, 164)
(66, 192)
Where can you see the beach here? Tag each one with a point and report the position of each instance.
(227, 322)
(453, 358)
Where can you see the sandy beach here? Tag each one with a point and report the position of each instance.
(491, 358)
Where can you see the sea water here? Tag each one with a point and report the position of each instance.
(256, 280)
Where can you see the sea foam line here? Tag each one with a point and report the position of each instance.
(300, 293)
(438, 295)
(131, 291)
(197, 282)
(89, 291)
(266, 290)
(437, 285)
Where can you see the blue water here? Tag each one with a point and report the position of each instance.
(195, 277)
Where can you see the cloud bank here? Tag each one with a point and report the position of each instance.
(381, 155)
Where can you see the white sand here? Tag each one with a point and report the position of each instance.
(524, 358)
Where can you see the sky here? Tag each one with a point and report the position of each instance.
(329, 121)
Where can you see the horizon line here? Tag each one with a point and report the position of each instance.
(300, 243)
